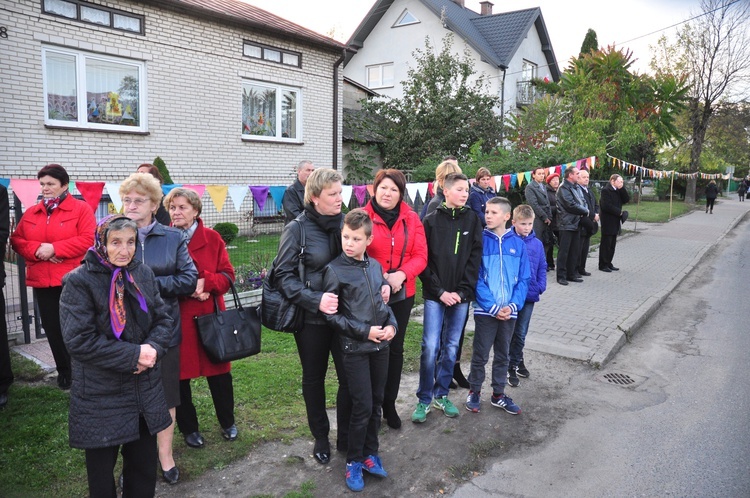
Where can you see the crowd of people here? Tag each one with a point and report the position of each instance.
(118, 297)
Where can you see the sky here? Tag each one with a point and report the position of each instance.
(621, 23)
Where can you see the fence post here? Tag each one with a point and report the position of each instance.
(22, 294)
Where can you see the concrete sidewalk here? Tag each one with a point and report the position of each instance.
(591, 321)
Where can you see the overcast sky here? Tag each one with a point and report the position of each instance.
(622, 23)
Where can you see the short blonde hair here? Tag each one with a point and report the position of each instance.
(189, 195)
(444, 169)
(318, 180)
(523, 212)
(144, 184)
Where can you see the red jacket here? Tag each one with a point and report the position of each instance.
(388, 245)
(70, 229)
(210, 256)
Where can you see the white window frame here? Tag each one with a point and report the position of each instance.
(279, 97)
(380, 83)
(529, 70)
(81, 99)
(400, 21)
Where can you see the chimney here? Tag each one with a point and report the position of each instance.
(486, 8)
(460, 3)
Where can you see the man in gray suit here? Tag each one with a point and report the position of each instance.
(536, 197)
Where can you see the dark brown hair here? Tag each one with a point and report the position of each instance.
(55, 171)
(152, 170)
(395, 176)
(358, 218)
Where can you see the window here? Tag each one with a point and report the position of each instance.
(380, 75)
(528, 71)
(272, 54)
(405, 19)
(91, 91)
(79, 10)
(271, 112)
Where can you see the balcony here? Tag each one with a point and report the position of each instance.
(526, 93)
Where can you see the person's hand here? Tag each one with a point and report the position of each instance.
(385, 293)
(450, 298)
(395, 280)
(55, 259)
(329, 303)
(596, 217)
(147, 358)
(203, 296)
(389, 332)
(45, 251)
(376, 334)
(504, 313)
(549, 222)
(199, 288)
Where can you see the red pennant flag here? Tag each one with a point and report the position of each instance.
(506, 182)
(91, 192)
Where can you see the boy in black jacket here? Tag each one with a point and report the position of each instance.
(366, 325)
(454, 252)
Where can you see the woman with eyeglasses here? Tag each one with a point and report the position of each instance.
(164, 250)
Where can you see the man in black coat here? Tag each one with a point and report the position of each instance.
(589, 224)
(6, 374)
(570, 208)
(612, 216)
(294, 197)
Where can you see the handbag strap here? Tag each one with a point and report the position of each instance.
(301, 264)
(403, 251)
(237, 303)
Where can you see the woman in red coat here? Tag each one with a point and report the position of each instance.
(52, 236)
(399, 245)
(209, 254)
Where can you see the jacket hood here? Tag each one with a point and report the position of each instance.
(453, 212)
(530, 236)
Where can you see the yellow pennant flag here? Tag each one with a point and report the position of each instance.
(218, 195)
(520, 179)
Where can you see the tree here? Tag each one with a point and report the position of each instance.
(590, 43)
(444, 111)
(162, 167)
(713, 52)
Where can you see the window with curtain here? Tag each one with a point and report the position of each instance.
(271, 112)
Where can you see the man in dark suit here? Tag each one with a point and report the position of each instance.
(294, 197)
(610, 204)
(6, 374)
(589, 224)
(536, 197)
(570, 208)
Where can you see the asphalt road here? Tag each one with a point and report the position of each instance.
(680, 428)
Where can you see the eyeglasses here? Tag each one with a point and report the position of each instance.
(138, 202)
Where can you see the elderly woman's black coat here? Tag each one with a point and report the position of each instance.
(107, 398)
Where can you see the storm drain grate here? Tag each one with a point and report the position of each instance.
(619, 378)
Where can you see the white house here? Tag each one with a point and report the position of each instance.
(509, 48)
(223, 91)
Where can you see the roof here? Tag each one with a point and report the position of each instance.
(369, 92)
(495, 37)
(248, 16)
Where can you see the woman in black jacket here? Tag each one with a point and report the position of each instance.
(164, 250)
(712, 192)
(553, 182)
(321, 222)
(116, 327)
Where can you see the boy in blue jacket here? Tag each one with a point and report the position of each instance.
(523, 224)
(501, 292)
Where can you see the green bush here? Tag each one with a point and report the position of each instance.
(162, 167)
(228, 231)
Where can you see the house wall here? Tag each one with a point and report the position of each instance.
(194, 68)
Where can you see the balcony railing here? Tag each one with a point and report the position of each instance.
(526, 93)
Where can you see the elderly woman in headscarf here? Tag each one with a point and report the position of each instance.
(116, 328)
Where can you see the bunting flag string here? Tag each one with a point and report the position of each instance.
(346, 194)
(656, 174)
(199, 189)
(91, 192)
(237, 193)
(218, 194)
(277, 193)
(360, 192)
(260, 195)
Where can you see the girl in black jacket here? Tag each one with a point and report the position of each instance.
(321, 223)
(116, 327)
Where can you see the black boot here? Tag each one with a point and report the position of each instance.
(458, 376)
(391, 415)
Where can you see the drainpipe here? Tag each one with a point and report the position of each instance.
(335, 162)
(502, 106)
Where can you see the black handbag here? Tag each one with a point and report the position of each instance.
(276, 311)
(230, 334)
(401, 294)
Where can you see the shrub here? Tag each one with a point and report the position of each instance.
(162, 167)
(228, 231)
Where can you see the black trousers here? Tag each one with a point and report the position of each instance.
(6, 374)
(568, 254)
(314, 344)
(366, 375)
(402, 311)
(48, 301)
(222, 393)
(585, 246)
(607, 250)
(710, 203)
(139, 460)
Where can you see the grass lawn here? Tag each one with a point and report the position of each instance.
(656, 211)
(36, 459)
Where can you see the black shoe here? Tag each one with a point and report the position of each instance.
(575, 279)
(605, 270)
(522, 371)
(613, 268)
(230, 433)
(194, 440)
(513, 378)
(172, 475)
(562, 281)
(63, 381)
(584, 273)
(322, 451)
(342, 446)
(391, 416)
(3, 400)
(458, 376)
(453, 385)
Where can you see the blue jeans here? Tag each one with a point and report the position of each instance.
(490, 334)
(519, 334)
(442, 331)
